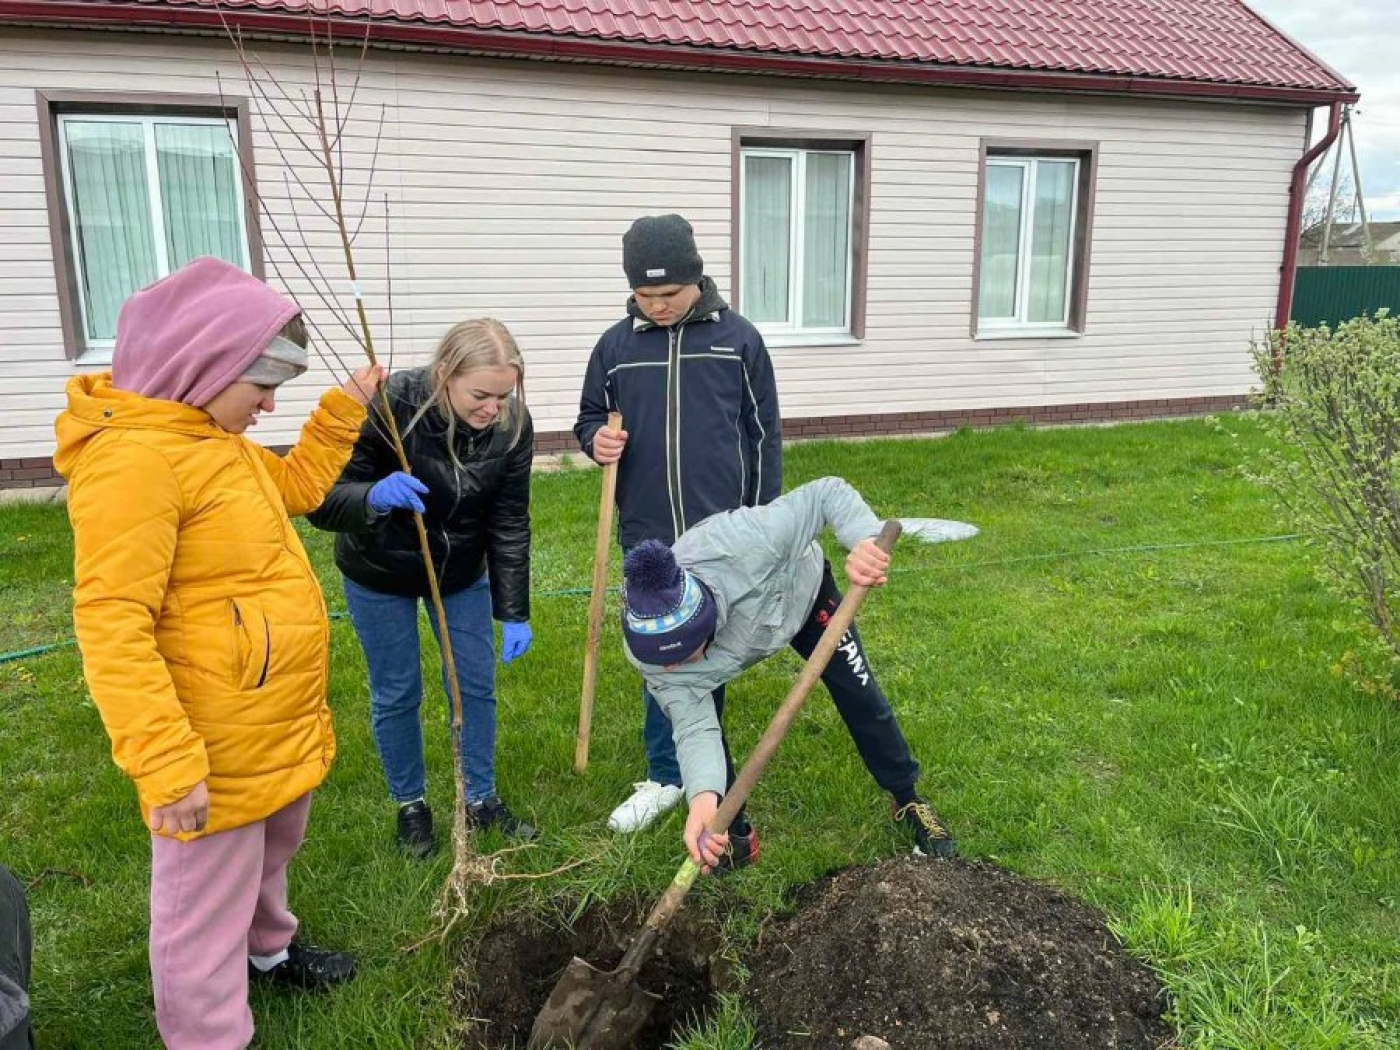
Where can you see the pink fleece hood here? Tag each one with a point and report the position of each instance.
(188, 336)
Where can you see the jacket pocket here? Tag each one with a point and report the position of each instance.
(253, 644)
(773, 611)
(767, 624)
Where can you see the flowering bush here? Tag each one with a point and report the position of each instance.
(1334, 405)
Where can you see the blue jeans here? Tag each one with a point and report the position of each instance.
(662, 764)
(387, 625)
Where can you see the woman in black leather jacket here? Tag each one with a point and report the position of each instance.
(469, 442)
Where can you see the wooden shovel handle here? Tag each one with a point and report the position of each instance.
(596, 605)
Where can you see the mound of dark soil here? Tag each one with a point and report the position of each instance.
(934, 954)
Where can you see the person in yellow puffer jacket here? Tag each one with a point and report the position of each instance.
(203, 632)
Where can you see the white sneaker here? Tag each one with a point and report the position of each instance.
(648, 802)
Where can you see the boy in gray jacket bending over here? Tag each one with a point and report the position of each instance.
(734, 590)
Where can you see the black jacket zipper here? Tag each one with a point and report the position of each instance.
(456, 501)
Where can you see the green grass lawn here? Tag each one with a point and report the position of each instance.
(1113, 688)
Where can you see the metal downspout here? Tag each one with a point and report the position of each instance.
(1292, 231)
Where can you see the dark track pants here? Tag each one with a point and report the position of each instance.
(863, 707)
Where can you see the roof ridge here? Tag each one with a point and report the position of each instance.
(1223, 43)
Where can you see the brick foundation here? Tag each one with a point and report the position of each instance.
(1037, 415)
(897, 423)
(38, 472)
(34, 472)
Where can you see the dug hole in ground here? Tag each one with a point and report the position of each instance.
(910, 952)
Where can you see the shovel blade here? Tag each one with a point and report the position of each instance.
(592, 1009)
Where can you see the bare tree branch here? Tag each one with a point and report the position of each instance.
(328, 152)
(373, 167)
(389, 278)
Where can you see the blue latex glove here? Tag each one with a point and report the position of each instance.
(399, 491)
(515, 641)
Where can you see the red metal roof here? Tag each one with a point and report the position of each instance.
(1216, 43)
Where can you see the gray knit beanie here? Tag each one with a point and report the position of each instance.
(660, 249)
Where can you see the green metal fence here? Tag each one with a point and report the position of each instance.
(1333, 294)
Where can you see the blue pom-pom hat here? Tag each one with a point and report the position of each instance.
(667, 613)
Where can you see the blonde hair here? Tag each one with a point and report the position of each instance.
(467, 347)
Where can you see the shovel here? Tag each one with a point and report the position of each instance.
(595, 606)
(592, 1009)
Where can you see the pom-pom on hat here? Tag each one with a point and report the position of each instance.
(668, 614)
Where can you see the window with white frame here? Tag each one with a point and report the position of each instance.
(142, 195)
(1029, 269)
(797, 228)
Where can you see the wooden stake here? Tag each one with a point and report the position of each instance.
(596, 604)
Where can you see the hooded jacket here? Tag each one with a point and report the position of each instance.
(763, 566)
(477, 514)
(16, 945)
(202, 628)
(700, 407)
(14, 1011)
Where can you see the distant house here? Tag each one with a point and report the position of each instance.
(1346, 245)
(937, 213)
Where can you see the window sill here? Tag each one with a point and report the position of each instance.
(987, 334)
(811, 339)
(100, 357)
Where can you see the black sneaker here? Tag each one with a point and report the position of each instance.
(931, 838)
(743, 851)
(493, 813)
(416, 836)
(308, 968)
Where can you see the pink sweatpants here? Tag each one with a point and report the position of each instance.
(214, 902)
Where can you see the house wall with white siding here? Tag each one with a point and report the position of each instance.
(509, 184)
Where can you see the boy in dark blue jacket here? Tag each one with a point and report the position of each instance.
(701, 431)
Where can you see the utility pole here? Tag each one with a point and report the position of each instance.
(1332, 193)
(1360, 202)
(1347, 134)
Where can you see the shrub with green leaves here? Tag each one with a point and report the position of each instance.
(1334, 405)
